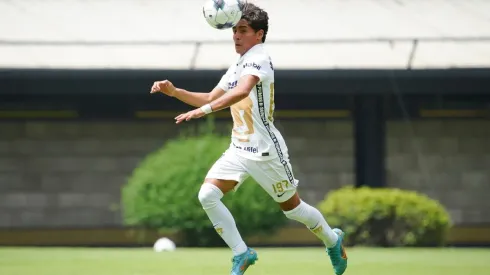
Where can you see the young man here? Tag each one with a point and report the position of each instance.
(257, 148)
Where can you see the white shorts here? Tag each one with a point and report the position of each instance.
(276, 178)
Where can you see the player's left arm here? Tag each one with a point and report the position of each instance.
(244, 86)
(242, 90)
(255, 70)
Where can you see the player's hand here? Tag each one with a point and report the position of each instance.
(164, 86)
(196, 113)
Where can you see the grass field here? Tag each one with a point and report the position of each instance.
(280, 261)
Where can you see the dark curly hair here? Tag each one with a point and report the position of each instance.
(257, 18)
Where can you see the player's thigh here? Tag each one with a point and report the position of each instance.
(227, 173)
(275, 177)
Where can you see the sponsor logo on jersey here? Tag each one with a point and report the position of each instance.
(250, 149)
(253, 65)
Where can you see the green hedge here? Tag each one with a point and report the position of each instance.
(162, 193)
(386, 217)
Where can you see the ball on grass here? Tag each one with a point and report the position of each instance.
(164, 244)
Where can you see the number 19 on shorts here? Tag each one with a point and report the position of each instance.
(280, 187)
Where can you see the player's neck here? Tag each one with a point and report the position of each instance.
(260, 43)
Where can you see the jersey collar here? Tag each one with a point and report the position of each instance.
(255, 48)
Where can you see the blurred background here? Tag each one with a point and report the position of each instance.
(375, 93)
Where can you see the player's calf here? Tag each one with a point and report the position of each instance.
(221, 218)
(332, 239)
(313, 219)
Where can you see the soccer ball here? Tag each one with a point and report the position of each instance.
(164, 244)
(223, 14)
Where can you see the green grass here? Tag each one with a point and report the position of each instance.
(280, 261)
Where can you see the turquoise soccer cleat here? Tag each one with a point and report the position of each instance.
(337, 254)
(243, 261)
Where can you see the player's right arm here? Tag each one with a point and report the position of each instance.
(191, 98)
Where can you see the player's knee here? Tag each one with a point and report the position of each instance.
(209, 195)
(299, 213)
(306, 214)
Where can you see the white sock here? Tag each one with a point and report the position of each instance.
(313, 219)
(224, 223)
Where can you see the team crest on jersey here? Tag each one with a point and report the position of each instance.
(232, 85)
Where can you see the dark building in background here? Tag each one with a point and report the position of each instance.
(69, 139)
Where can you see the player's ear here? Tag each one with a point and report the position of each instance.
(259, 34)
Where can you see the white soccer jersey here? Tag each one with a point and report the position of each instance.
(254, 135)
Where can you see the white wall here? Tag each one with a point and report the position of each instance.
(136, 33)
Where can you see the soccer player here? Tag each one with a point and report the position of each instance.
(257, 148)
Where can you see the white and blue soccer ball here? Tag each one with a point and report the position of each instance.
(223, 14)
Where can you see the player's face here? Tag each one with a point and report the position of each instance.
(245, 37)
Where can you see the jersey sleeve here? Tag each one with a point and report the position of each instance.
(258, 66)
(223, 83)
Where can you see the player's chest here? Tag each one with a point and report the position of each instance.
(236, 71)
